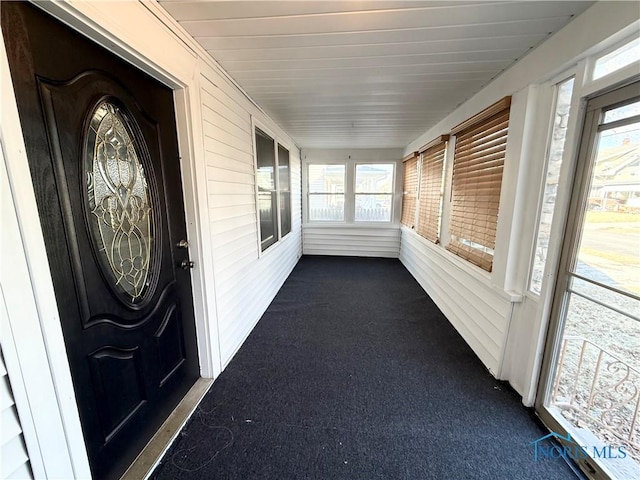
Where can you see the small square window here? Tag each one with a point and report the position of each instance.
(618, 59)
(374, 192)
(326, 193)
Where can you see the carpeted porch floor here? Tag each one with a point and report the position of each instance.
(354, 373)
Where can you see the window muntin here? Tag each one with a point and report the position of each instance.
(621, 113)
(373, 192)
(284, 187)
(326, 184)
(618, 59)
(410, 191)
(431, 190)
(564, 92)
(476, 183)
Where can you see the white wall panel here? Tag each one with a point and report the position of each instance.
(480, 313)
(246, 281)
(15, 460)
(357, 242)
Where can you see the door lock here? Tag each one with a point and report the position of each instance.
(186, 264)
(182, 244)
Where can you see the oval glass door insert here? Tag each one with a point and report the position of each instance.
(119, 203)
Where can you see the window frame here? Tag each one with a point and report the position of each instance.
(349, 193)
(280, 189)
(411, 157)
(565, 162)
(480, 257)
(309, 193)
(593, 60)
(277, 142)
(390, 194)
(442, 141)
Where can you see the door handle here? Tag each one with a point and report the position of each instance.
(186, 264)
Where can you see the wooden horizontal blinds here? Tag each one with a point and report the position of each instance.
(410, 191)
(477, 179)
(431, 181)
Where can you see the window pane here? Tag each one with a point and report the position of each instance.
(283, 169)
(266, 161)
(609, 249)
(326, 178)
(265, 178)
(554, 163)
(285, 213)
(120, 203)
(478, 163)
(326, 207)
(267, 206)
(284, 189)
(410, 192)
(620, 113)
(619, 58)
(373, 208)
(374, 178)
(431, 185)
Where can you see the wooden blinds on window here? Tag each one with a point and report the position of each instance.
(478, 162)
(431, 178)
(410, 189)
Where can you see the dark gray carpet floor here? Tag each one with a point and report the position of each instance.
(354, 373)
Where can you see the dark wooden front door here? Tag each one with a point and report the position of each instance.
(101, 142)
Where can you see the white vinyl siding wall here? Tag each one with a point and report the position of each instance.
(13, 457)
(246, 281)
(354, 241)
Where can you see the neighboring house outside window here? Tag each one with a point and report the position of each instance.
(326, 192)
(350, 192)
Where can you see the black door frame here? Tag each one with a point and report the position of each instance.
(185, 87)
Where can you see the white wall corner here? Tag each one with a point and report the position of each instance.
(515, 184)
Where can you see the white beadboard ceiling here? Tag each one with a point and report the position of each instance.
(374, 74)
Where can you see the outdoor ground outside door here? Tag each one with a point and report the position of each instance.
(590, 388)
(102, 147)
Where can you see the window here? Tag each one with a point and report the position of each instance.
(478, 162)
(284, 187)
(273, 189)
(374, 192)
(326, 192)
(564, 93)
(618, 59)
(431, 188)
(410, 190)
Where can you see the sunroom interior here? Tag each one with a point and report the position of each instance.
(488, 150)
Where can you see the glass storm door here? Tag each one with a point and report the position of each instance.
(102, 146)
(590, 386)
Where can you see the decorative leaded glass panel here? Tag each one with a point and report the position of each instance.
(119, 202)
